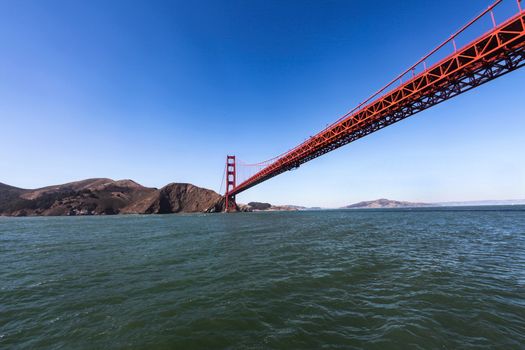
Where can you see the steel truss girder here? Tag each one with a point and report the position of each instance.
(493, 55)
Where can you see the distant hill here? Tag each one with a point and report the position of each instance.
(483, 202)
(103, 196)
(386, 203)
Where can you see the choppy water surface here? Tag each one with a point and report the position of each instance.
(376, 279)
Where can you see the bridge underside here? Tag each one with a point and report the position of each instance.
(497, 53)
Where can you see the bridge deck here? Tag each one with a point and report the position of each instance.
(492, 55)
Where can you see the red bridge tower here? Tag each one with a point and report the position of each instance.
(231, 175)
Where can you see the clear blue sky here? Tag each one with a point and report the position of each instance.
(161, 91)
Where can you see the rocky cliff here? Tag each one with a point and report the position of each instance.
(177, 198)
(105, 197)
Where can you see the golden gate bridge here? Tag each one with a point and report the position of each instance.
(493, 54)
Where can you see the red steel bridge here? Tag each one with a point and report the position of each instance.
(497, 52)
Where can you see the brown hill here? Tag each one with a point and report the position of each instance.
(9, 195)
(102, 196)
(177, 198)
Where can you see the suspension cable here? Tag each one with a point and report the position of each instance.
(222, 181)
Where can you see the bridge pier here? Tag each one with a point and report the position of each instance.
(231, 174)
(230, 204)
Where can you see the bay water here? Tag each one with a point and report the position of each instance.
(431, 278)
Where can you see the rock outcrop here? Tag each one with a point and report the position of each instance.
(105, 197)
(258, 206)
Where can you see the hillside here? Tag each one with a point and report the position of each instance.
(385, 203)
(103, 196)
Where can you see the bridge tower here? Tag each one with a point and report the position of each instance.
(231, 174)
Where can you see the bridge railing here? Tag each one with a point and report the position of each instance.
(410, 73)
